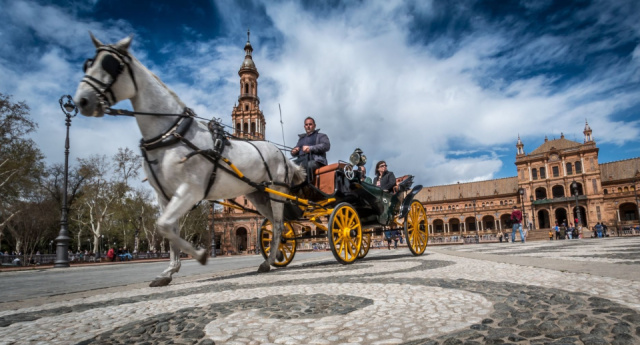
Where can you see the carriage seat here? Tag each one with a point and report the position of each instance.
(325, 177)
(398, 181)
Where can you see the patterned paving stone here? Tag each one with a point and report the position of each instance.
(385, 299)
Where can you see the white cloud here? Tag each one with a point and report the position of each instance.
(357, 70)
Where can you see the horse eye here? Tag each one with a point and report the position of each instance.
(88, 63)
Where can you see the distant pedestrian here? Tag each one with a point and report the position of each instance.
(598, 229)
(550, 235)
(516, 220)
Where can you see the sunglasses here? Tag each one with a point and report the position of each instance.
(383, 165)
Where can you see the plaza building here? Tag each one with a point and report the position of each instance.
(561, 181)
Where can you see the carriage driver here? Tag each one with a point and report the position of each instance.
(312, 146)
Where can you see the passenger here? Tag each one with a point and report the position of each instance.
(313, 145)
(384, 179)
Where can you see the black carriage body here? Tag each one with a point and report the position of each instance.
(375, 207)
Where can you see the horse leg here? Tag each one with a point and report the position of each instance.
(264, 205)
(179, 205)
(164, 278)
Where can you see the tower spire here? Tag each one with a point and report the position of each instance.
(520, 146)
(587, 132)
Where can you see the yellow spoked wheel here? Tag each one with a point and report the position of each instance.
(415, 228)
(345, 233)
(366, 244)
(287, 245)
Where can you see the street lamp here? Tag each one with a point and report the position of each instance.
(524, 215)
(62, 256)
(533, 213)
(51, 247)
(574, 186)
(101, 246)
(213, 231)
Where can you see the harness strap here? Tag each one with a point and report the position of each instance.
(91, 81)
(153, 173)
(266, 166)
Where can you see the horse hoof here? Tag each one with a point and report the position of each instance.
(160, 281)
(279, 255)
(202, 256)
(264, 267)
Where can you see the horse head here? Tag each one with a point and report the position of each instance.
(109, 78)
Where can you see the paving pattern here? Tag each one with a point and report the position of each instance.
(390, 297)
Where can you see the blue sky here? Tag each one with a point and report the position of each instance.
(439, 89)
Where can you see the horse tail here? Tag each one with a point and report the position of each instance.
(299, 173)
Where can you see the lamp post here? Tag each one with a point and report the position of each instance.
(101, 246)
(62, 256)
(574, 186)
(213, 231)
(533, 213)
(524, 215)
(50, 246)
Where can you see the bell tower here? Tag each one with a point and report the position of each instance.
(248, 120)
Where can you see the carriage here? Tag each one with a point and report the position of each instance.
(348, 210)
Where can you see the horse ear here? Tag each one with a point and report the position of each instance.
(96, 42)
(124, 43)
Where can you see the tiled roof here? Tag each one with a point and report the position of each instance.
(625, 169)
(469, 190)
(559, 144)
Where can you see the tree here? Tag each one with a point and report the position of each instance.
(21, 165)
(98, 197)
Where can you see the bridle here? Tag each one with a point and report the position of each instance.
(114, 64)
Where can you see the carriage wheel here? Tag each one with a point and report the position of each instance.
(366, 244)
(345, 233)
(287, 243)
(415, 228)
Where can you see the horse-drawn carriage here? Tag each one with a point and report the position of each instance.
(187, 161)
(348, 211)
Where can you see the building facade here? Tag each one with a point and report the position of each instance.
(560, 182)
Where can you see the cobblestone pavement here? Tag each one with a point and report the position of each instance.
(389, 297)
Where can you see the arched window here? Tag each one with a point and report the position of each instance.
(246, 107)
(557, 191)
(626, 189)
(246, 88)
(578, 168)
(543, 173)
(534, 173)
(619, 190)
(253, 128)
(246, 129)
(606, 192)
(569, 169)
(238, 128)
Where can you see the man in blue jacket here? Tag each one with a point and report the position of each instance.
(312, 146)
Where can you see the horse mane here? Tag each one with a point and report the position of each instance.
(157, 79)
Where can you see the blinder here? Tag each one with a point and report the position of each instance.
(87, 64)
(112, 66)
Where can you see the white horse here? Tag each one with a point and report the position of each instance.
(114, 75)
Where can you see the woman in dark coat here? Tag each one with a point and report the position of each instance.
(384, 179)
